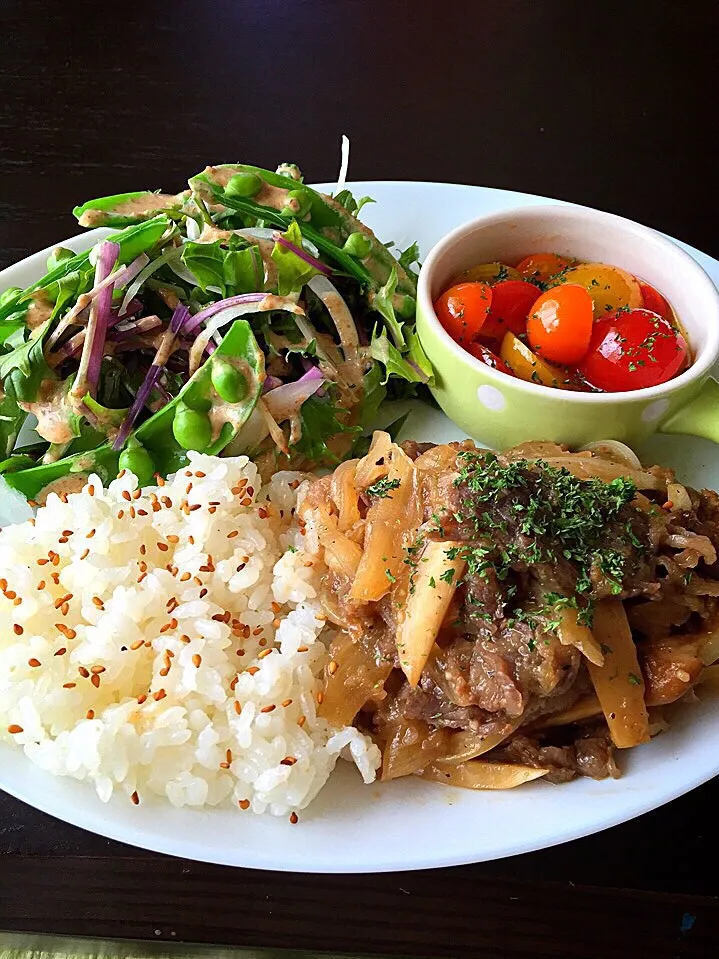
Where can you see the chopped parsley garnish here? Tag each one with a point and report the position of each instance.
(634, 680)
(382, 488)
(555, 516)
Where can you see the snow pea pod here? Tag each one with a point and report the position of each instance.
(124, 209)
(155, 435)
(132, 242)
(322, 220)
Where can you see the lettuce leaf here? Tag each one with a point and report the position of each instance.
(234, 269)
(393, 361)
(409, 257)
(292, 271)
(318, 417)
(382, 301)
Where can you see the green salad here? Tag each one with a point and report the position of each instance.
(246, 314)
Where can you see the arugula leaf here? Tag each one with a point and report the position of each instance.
(394, 363)
(24, 368)
(382, 301)
(12, 323)
(346, 200)
(409, 257)
(68, 288)
(11, 418)
(10, 295)
(319, 421)
(292, 271)
(417, 355)
(374, 396)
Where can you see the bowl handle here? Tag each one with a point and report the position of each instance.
(700, 417)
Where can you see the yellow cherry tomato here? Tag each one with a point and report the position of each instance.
(527, 365)
(610, 287)
(488, 273)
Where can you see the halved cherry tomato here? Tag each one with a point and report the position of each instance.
(462, 310)
(482, 353)
(560, 324)
(633, 350)
(542, 266)
(610, 287)
(527, 365)
(511, 302)
(654, 301)
(488, 273)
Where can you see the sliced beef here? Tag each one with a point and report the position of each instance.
(591, 754)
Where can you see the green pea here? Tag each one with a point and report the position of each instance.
(192, 429)
(57, 256)
(298, 203)
(406, 306)
(244, 184)
(229, 382)
(135, 459)
(357, 244)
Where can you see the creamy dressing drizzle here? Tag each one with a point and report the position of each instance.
(143, 205)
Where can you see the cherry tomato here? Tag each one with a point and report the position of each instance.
(653, 301)
(542, 266)
(511, 302)
(560, 324)
(462, 310)
(633, 350)
(482, 353)
(488, 273)
(527, 365)
(610, 287)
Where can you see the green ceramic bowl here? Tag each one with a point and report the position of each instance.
(500, 410)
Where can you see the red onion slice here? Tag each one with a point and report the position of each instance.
(284, 401)
(179, 318)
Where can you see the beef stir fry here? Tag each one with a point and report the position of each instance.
(536, 608)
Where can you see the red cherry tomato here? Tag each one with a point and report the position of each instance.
(560, 323)
(511, 302)
(482, 353)
(542, 266)
(462, 310)
(633, 350)
(653, 301)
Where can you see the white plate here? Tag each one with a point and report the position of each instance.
(407, 824)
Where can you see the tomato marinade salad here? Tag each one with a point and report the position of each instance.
(565, 323)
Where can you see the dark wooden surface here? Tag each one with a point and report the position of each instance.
(607, 104)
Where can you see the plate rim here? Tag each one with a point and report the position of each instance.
(114, 829)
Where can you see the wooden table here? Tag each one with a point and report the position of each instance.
(604, 104)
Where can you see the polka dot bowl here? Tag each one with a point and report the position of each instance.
(501, 410)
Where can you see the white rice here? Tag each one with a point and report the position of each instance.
(160, 718)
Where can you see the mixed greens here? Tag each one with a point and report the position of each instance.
(248, 313)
